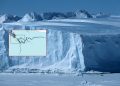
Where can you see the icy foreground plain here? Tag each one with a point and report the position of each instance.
(73, 45)
(58, 80)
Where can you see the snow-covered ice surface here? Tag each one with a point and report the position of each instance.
(73, 45)
(7, 79)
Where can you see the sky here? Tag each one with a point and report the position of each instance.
(20, 7)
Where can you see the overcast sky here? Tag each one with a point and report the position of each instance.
(20, 7)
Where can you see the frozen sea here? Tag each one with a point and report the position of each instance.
(7, 79)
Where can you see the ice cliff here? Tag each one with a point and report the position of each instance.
(64, 52)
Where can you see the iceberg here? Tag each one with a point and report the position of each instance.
(73, 45)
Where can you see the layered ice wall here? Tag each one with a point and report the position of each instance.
(4, 60)
(64, 53)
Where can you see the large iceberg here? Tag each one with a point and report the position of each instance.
(73, 45)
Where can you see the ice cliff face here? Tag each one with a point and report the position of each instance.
(64, 52)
